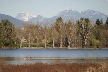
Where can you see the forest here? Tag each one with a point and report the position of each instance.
(80, 34)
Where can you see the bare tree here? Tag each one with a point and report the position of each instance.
(53, 35)
(46, 34)
(20, 35)
(28, 33)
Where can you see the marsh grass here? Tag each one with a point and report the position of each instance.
(102, 68)
(2, 59)
(61, 67)
(40, 67)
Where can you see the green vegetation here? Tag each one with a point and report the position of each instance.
(81, 34)
(7, 34)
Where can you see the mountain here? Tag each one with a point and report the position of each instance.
(75, 15)
(16, 22)
(66, 15)
(39, 18)
(25, 16)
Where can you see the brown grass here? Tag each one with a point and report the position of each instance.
(40, 67)
(62, 67)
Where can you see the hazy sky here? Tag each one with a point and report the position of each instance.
(49, 8)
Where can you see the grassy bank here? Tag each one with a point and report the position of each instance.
(40, 67)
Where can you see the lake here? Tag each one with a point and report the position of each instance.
(18, 56)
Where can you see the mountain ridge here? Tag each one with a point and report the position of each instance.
(71, 14)
(66, 15)
(16, 22)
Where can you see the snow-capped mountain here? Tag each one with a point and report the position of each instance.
(25, 16)
(39, 18)
(75, 15)
(69, 14)
(66, 15)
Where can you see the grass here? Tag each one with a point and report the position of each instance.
(36, 45)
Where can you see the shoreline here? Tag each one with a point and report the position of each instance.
(74, 48)
(62, 48)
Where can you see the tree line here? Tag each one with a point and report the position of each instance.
(80, 34)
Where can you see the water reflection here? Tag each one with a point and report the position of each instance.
(18, 56)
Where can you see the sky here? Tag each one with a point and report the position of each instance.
(50, 8)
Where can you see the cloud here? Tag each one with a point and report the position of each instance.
(107, 0)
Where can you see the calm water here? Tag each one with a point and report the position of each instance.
(54, 55)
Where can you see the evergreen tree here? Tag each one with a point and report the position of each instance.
(59, 26)
(83, 30)
(106, 21)
(99, 23)
(106, 24)
(66, 42)
(105, 33)
(1, 39)
(98, 28)
(7, 34)
(97, 32)
(69, 34)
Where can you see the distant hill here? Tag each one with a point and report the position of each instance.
(16, 22)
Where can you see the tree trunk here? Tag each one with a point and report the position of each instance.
(83, 41)
(45, 41)
(82, 44)
(20, 43)
(53, 43)
(106, 42)
(37, 41)
(61, 41)
(69, 45)
(29, 40)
